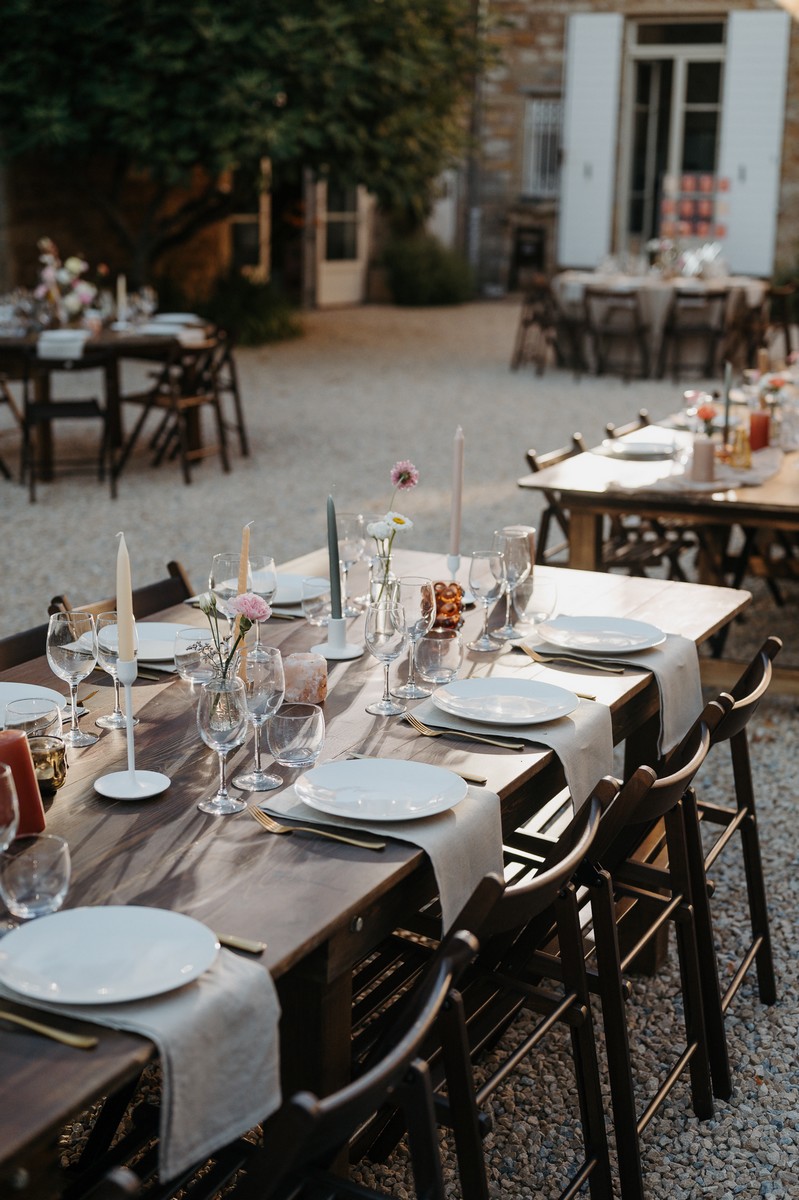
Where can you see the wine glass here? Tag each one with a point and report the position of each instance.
(34, 875)
(265, 687)
(417, 598)
(222, 717)
(107, 658)
(516, 547)
(264, 584)
(72, 655)
(486, 583)
(9, 807)
(386, 637)
(351, 541)
(223, 580)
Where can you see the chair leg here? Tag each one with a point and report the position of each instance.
(753, 868)
(238, 408)
(462, 1104)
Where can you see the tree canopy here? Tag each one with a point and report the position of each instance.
(175, 90)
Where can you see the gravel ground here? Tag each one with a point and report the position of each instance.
(331, 412)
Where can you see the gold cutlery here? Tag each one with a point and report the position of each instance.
(427, 731)
(546, 659)
(240, 943)
(79, 1040)
(88, 696)
(272, 826)
(469, 776)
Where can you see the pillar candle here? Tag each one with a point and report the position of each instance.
(15, 751)
(758, 429)
(763, 360)
(456, 502)
(704, 462)
(125, 627)
(335, 565)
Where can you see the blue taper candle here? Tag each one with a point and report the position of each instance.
(335, 565)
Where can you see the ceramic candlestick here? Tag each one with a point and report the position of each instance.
(130, 784)
(337, 645)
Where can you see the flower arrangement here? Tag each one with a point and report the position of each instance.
(65, 284)
(404, 477)
(707, 414)
(248, 608)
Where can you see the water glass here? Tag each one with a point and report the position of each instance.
(316, 600)
(416, 596)
(34, 875)
(351, 541)
(72, 655)
(223, 580)
(9, 806)
(487, 584)
(265, 686)
(35, 715)
(107, 658)
(222, 719)
(515, 546)
(296, 735)
(539, 604)
(386, 637)
(439, 655)
(196, 660)
(264, 584)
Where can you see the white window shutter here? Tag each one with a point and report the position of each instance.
(750, 149)
(590, 120)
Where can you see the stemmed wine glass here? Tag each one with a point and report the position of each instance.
(9, 807)
(265, 686)
(107, 658)
(516, 547)
(486, 583)
(72, 655)
(386, 637)
(350, 551)
(264, 584)
(223, 581)
(222, 718)
(417, 597)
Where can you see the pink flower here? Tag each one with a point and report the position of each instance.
(404, 475)
(251, 607)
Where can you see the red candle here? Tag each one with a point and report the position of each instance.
(15, 751)
(758, 429)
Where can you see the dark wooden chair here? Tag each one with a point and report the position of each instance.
(227, 387)
(696, 320)
(148, 599)
(619, 335)
(780, 318)
(546, 329)
(19, 648)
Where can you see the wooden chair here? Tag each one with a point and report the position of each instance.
(698, 316)
(780, 319)
(546, 329)
(618, 332)
(148, 599)
(183, 387)
(19, 648)
(554, 516)
(227, 385)
(7, 398)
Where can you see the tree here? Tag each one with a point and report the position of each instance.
(187, 94)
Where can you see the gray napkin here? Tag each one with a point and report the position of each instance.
(675, 666)
(463, 844)
(217, 1038)
(583, 741)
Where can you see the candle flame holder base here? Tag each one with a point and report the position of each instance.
(337, 646)
(130, 784)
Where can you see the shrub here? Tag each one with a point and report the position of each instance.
(421, 271)
(254, 312)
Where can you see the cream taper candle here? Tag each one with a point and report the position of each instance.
(125, 626)
(456, 501)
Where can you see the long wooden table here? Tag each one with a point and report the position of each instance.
(320, 906)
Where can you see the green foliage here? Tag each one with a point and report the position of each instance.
(422, 271)
(254, 312)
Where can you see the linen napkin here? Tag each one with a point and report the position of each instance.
(463, 844)
(217, 1038)
(583, 741)
(765, 464)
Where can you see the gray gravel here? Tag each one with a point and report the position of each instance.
(331, 412)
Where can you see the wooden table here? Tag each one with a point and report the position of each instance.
(320, 906)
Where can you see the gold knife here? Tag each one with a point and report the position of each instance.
(80, 1041)
(240, 943)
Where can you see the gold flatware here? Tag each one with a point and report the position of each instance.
(427, 731)
(547, 659)
(88, 696)
(272, 826)
(240, 943)
(79, 1041)
(584, 696)
(469, 776)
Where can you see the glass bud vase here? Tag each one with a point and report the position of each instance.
(382, 580)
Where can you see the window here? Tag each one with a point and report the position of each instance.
(542, 128)
(341, 240)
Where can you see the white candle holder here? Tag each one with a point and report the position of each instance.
(337, 646)
(130, 784)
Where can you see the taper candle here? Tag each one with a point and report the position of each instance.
(456, 501)
(727, 386)
(125, 627)
(335, 565)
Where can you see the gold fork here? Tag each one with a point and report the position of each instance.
(272, 826)
(593, 665)
(426, 731)
(79, 1040)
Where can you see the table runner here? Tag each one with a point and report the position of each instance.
(217, 1038)
(463, 844)
(583, 741)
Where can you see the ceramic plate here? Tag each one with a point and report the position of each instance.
(157, 640)
(21, 691)
(600, 635)
(638, 451)
(380, 789)
(289, 589)
(505, 701)
(177, 318)
(105, 955)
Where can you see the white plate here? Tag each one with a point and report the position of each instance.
(161, 328)
(600, 635)
(638, 451)
(22, 691)
(177, 318)
(380, 789)
(105, 955)
(289, 589)
(505, 701)
(157, 640)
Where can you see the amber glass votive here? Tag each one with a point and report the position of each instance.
(449, 604)
(49, 762)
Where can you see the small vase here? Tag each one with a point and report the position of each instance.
(382, 580)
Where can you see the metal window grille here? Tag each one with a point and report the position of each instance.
(542, 131)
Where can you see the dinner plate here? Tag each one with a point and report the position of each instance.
(289, 589)
(378, 789)
(105, 955)
(176, 318)
(157, 640)
(21, 691)
(505, 701)
(638, 451)
(600, 635)
(162, 329)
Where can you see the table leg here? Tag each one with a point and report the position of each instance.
(43, 432)
(315, 1030)
(112, 402)
(585, 540)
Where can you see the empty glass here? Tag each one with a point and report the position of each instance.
(222, 718)
(265, 685)
(196, 659)
(264, 584)
(223, 580)
(36, 715)
(316, 600)
(351, 536)
(417, 598)
(539, 604)
(107, 658)
(34, 875)
(296, 735)
(72, 655)
(439, 655)
(516, 548)
(486, 583)
(386, 637)
(9, 806)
